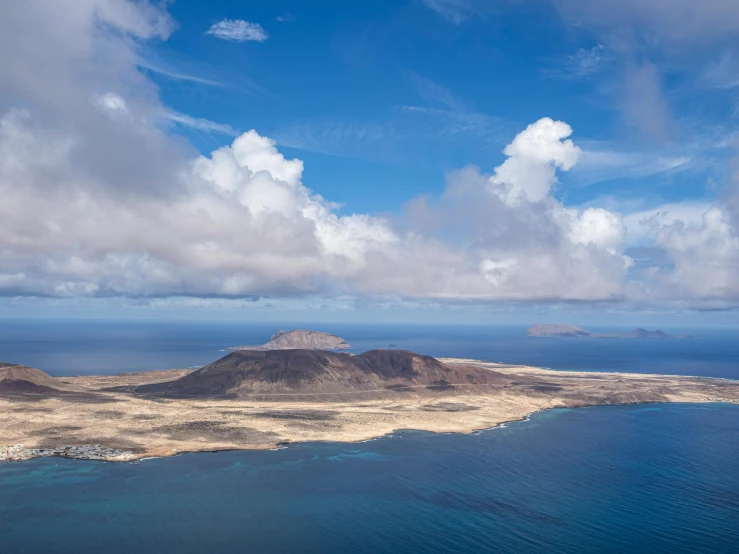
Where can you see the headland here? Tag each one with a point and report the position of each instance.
(260, 400)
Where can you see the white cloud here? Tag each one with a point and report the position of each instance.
(238, 30)
(642, 227)
(198, 123)
(534, 156)
(701, 244)
(176, 75)
(112, 102)
(598, 227)
(241, 222)
(706, 256)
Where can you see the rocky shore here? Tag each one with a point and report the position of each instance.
(93, 452)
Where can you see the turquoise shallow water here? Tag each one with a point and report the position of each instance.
(656, 478)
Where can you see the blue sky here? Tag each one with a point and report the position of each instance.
(380, 99)
(403, 157)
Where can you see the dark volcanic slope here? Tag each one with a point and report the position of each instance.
(19, 378)
(314, 372)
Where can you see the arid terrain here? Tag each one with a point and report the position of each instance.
(259, 400)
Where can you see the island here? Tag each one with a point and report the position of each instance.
(262, 399)
(570, 331)
(300, 339)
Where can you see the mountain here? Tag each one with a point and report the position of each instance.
(19, 379)
(300, 339)
(315, 372)
(558, 330)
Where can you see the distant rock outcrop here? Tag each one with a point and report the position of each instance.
(558, 330)
(644, 334)
(299, 339)
(19, 379)
(315, 372)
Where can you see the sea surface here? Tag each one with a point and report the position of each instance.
(104, 347)
(624, 479)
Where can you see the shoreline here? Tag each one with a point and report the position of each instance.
(129, 457)
(104, 423)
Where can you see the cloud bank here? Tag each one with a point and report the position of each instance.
(97, 199)
(241, 222)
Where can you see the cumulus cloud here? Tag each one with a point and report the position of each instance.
(705, 249)
(510, 229)
(695, 250)
(243, 223)
(534, 156)
(238, 30)
(643, 226)
(706, 256)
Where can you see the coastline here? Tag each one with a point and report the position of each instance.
(128, 457)
(123, 427)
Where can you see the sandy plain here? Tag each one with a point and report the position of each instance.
(85, 413)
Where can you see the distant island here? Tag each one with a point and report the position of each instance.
(308, 340)
(570, 331)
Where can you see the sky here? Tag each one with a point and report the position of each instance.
(408, 160)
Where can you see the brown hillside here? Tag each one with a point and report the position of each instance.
(19, 378)
(314, 372)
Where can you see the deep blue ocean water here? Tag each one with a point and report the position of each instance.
(656, 478)
(98, 347)
(625, 479)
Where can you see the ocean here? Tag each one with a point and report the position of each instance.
(617, 479)
(104, 347)
(612, 479)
